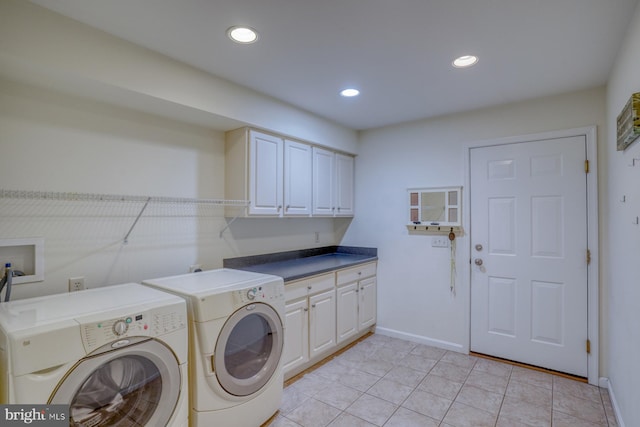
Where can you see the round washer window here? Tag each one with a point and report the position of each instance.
(136, 385)
(248, 349)
(124, 389)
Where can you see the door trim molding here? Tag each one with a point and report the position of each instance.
(593, 304)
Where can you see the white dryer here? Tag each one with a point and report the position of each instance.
(236, 338)
(117, 355)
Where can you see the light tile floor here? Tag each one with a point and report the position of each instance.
(383, 381)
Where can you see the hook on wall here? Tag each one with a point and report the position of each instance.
(634, 162)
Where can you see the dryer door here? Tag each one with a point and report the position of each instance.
(248, 349)
(122, 385)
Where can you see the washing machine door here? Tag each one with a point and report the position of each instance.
(123, 384)
(248, 349)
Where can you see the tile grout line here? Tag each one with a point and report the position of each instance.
(504, 396)
(459, 391)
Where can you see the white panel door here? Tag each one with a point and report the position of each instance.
(347, 311)
(344, 184)
(297, 178)
(323, 182)
(296, 335)
(367, 308)
(266, 174)
(529, 233)
(322, 322)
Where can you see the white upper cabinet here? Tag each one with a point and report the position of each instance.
(332, 183)
(265, 174)
(297, 178)
(281, 177)
(323, 177)
(344, 185)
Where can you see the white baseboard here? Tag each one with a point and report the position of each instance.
(605, 383)
(420, 339)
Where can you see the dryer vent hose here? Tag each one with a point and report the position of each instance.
(7, 280)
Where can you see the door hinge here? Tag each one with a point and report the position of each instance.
(586, 166)
(588, 346)
(588, 257)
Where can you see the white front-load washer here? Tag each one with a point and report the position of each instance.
(236, 339)
(117, 355)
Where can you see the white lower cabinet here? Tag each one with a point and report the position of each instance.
(356, 300)
(296, 335)
(310, 319)
(347, 311)
(325, 313)
(367, 303)
(322, 322)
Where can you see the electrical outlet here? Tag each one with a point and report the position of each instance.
(76, 284)
(440, 242)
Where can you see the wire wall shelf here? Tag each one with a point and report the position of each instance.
(48, 204)
(95, 197)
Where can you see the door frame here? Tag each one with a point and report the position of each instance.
(593, 286)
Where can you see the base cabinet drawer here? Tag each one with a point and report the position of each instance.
(356, 273)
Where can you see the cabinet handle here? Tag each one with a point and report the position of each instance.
(306, 309)
(287, 207)
(309, 287)
(279, 207)
(362, 288)
(313, 306)
(359, 273)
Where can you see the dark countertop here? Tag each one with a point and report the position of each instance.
(293, 265)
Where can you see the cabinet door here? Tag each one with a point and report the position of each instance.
(297, 178)
(296, 335)
(322, 322)
(323, 182)
(367, 311)
(265, 174)
(347, 311)
(344, 185)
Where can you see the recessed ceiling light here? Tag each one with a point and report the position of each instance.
(465, 61)
(348, 93)
(244, 35)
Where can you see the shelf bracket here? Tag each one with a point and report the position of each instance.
(126, 238)
(232, 220)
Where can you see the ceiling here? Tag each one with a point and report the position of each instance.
(397, 53)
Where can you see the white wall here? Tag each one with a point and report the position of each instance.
(414, 296)
(622, 270)
(82, 111)
(53, 142)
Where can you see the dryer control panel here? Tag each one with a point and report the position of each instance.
(151, 323)
(258, 293)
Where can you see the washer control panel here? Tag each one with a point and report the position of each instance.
(140, 324)
(258, 294)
